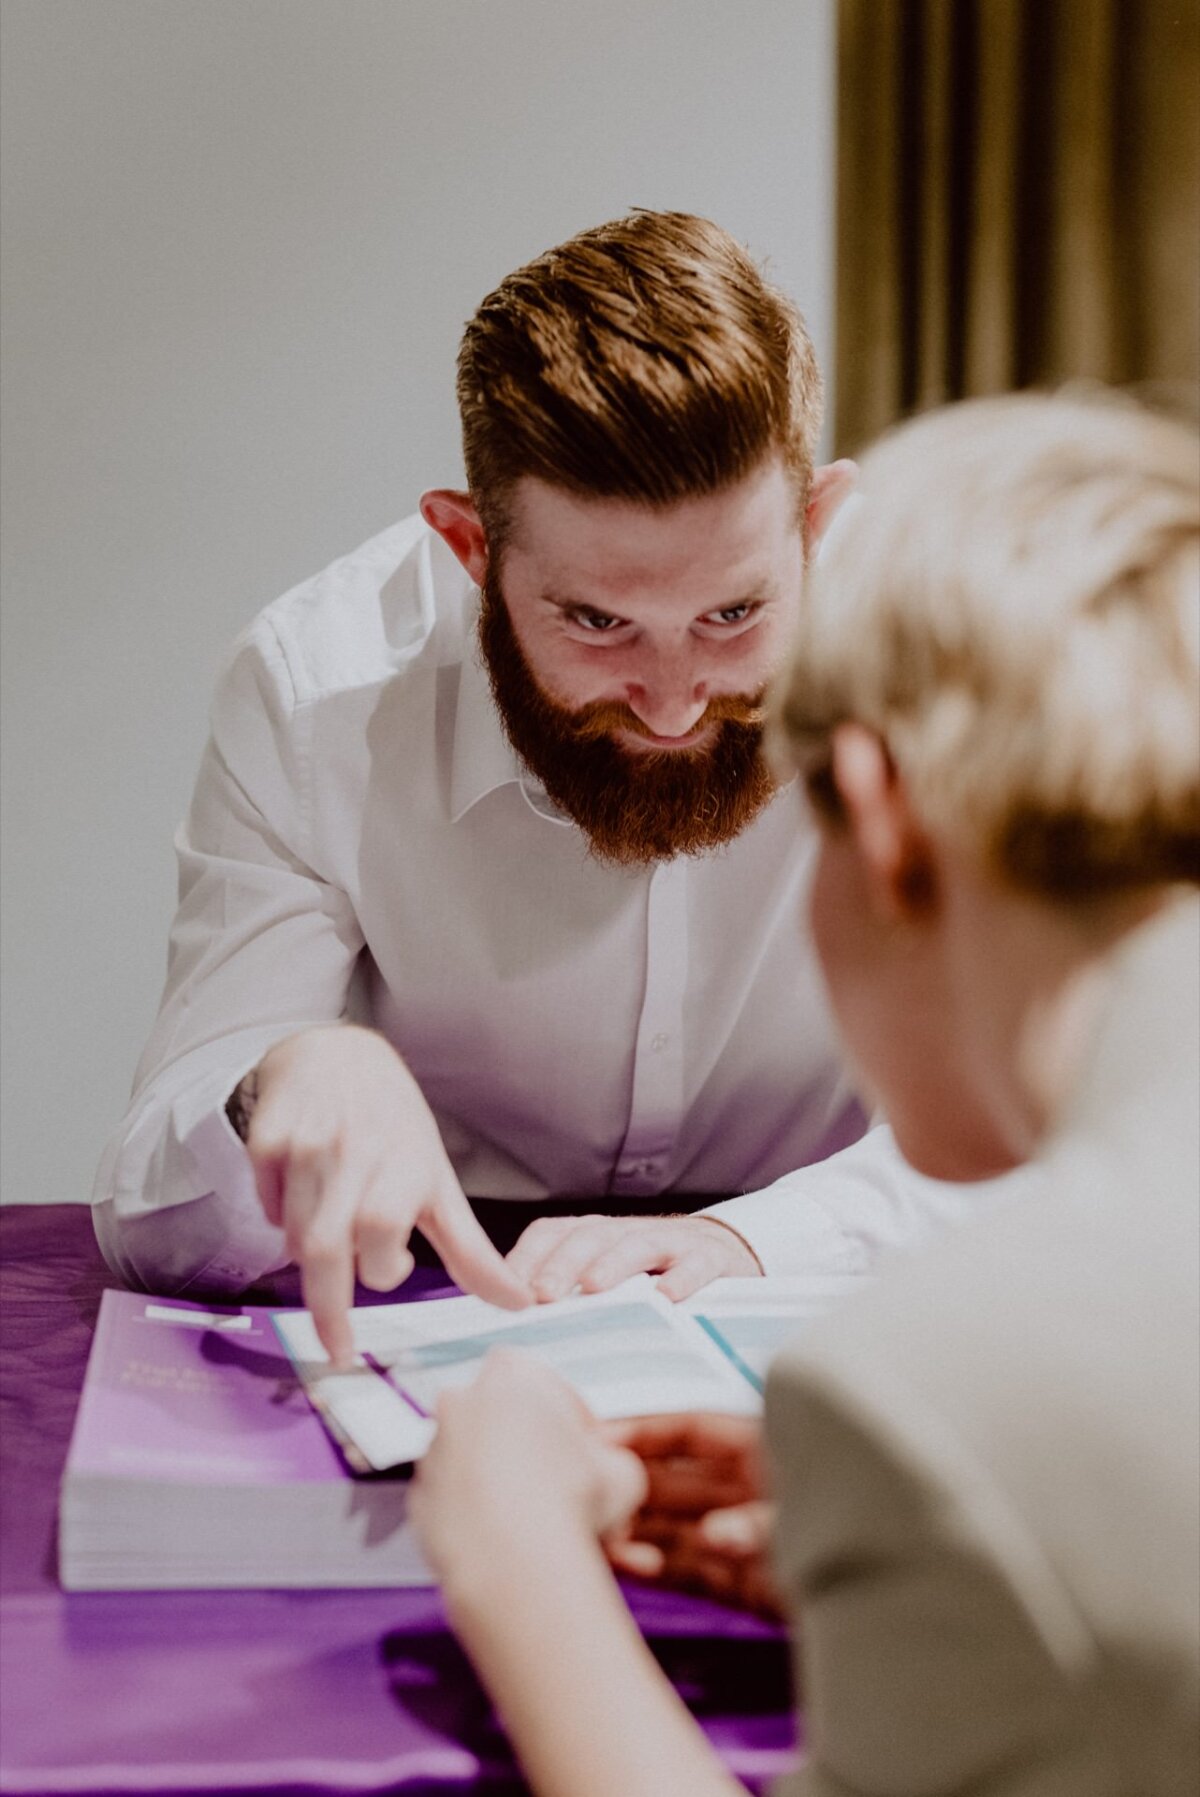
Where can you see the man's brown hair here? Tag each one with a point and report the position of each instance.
(646, 359)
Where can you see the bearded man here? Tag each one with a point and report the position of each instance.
(483, 888)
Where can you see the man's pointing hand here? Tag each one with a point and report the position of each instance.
(348, 1161)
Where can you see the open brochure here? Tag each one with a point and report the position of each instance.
(198, 1459)
(750, 1319)
(627, 1352)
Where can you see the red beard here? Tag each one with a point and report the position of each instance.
(635, 807)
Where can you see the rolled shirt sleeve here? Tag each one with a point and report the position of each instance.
(261, 946)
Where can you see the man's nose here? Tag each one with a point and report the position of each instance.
(670, 698)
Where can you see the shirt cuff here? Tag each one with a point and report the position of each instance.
(809, 1240)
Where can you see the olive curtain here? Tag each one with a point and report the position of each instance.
(1018, 200)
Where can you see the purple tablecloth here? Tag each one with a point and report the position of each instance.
(312, 1691)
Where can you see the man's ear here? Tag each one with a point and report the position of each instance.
(831, 485)
(897, 854)
(452, 514)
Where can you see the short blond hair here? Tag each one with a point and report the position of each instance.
(1014, 607)
(647, 359)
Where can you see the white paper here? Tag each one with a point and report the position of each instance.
(628, 1352)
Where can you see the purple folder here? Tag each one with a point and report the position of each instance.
(197, 1461)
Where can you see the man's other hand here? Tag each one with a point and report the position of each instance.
(705, 1523)
(348, 1160)
(556, 1254)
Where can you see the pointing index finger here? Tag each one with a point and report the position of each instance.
(318, 1210)
(328, 1286)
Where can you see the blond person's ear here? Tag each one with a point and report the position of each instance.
(831, 486)
(897, 854)
(452, 514)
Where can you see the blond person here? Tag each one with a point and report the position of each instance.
(486, 888)
(987, 1471)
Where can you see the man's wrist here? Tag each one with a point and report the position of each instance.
(705, 1217)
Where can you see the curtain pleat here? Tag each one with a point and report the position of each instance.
(993, 242)
(1018, 199)
(869, 246)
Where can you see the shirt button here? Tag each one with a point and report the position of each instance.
(659, 1042)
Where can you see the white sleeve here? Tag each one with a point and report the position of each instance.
(834, 1221)
(261, 946)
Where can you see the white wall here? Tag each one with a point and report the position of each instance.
(240, 241)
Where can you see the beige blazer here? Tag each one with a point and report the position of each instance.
(989, 1467)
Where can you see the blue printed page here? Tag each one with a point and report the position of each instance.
(628, 1352)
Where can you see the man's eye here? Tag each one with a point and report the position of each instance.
(731, 614)
(596, 621)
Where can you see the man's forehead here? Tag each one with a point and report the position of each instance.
(569, 540)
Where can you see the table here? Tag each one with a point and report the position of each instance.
(326, 1693)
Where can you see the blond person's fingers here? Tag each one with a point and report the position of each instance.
(638, 1559)
(621, 1480)
(505, 1367)
(738, 1529)
(680, 1561)
(725, 1559)
(686, 1487)
(628, 1553)
(467, 1254)
(695, 1434)
(695, 1461)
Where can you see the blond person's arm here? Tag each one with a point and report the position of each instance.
(510, 1504)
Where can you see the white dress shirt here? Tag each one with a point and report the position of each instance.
(363, 842)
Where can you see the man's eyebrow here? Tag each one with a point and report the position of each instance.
(762, 594)
(563, 602)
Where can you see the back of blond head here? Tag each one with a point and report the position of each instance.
(1014, 607)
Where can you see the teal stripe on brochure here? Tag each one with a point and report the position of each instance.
(283, 1340)
(730, 1352)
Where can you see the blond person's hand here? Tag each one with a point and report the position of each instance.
(556, 1254)
(348, 1160)
(705, 1524)
(517, 1466)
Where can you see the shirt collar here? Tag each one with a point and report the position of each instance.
(484, 759)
